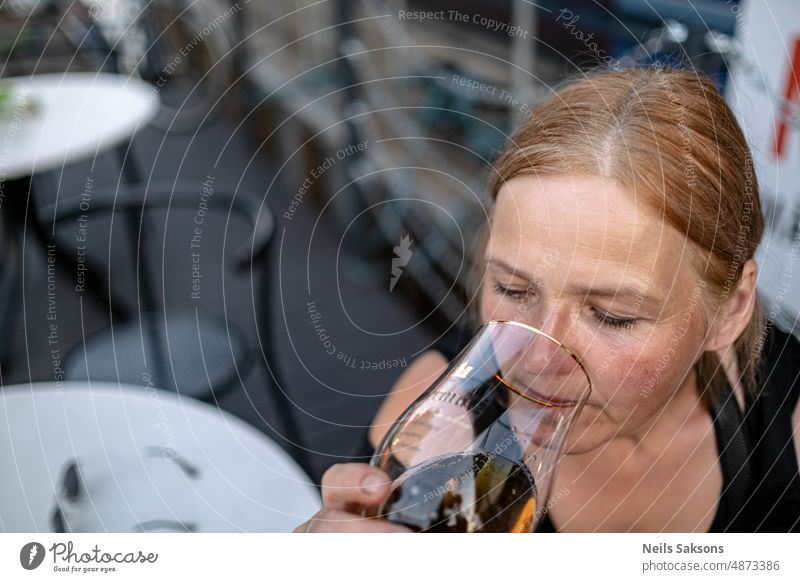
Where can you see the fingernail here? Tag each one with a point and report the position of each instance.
(372, 483)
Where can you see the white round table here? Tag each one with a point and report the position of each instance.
(240, 480)
(74, 116)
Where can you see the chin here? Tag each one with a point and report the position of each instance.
(588, 436)
(584, 445)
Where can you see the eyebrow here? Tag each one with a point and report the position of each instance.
(583, 290)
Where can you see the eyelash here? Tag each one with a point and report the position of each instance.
(603, 318)
(615, 322)
(515, 293)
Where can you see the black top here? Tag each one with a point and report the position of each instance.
(761, 477)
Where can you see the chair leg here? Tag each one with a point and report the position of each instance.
(293, 441)
(9, 292)
(137, 231)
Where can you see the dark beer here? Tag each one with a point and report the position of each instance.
(481, 492)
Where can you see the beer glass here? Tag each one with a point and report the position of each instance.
(477, 451)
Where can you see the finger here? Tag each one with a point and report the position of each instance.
(343, 522)
(354, 483)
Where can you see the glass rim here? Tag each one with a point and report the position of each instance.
(547, 336)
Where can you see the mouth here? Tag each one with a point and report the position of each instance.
(539, 398)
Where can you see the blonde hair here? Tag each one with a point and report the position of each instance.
(669, 136)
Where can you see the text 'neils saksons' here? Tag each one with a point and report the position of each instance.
(664, 548)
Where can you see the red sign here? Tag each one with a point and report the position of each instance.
(792, 93)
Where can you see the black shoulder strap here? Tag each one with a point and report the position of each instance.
(733, 442)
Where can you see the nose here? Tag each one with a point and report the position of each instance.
(545, 356)
(553, 319)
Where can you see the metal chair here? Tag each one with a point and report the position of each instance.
(205, 356)
(190, 353)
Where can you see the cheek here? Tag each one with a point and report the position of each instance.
(630, 385)
(634, 379)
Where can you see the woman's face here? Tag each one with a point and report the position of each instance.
(580, 259)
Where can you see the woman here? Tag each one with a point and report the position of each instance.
(625, 220)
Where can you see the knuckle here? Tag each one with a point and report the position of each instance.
(343, 482)
(334, 521)
(333, 476)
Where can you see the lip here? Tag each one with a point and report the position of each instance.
(537, 397)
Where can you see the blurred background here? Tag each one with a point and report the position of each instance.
(266, 208)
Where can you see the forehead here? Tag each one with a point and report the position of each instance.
(601, 229)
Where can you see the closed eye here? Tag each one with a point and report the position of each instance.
(514, 293)
(602, 317)
(613, 321)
